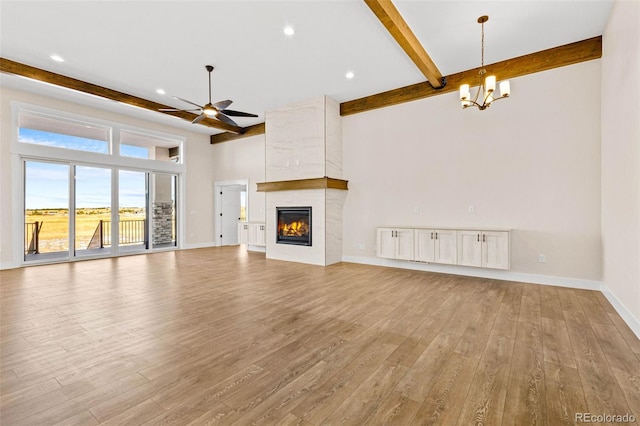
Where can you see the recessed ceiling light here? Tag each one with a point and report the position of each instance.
(160, 92)
(57, 58)
(288, 30)
(349, 75)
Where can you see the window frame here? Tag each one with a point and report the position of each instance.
(21, 151)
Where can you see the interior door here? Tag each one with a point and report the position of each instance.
(230, 214)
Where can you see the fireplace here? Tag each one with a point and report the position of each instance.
(294, 225)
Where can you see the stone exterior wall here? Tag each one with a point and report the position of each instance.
(162, 223)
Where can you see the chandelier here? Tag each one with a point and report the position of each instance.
(487, 87)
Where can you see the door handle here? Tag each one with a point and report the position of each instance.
(483, 238)
(478, 237)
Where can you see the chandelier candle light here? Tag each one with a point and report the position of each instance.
(488, 86)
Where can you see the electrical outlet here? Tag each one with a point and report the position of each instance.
(360, 246)
(416, 209)
(472, 209)
(542, 258)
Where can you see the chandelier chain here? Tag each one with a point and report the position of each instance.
(482, 56)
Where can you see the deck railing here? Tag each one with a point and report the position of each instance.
(129, 232)
(32, 237)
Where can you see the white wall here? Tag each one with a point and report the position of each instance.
(241, 159)
(199, 190)
(621, 158)
(530, 163)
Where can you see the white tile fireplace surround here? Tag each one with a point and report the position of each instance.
(303, 150)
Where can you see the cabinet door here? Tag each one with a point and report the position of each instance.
(446, 246)
(386, 243)
(259, 234)
(469, 248)
(495, 250)
(404, 244)
(423, 250)
(243, 233)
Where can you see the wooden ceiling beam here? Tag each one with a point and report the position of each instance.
(543, 60)
(568, 54)
(389, 16)
(256, 129)
(12, 67)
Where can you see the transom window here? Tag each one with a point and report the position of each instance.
(47, 130)
(40, 129)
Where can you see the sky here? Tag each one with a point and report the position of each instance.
(47, 184)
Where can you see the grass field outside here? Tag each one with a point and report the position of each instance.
(54, 233)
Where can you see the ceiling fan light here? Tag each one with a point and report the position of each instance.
(210, 111)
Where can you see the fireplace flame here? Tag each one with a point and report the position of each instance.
(294, 229)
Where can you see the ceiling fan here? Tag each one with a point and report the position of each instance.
(216, 110)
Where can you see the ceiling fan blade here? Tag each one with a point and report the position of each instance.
(222, 104)
(238, 113)
(225, 119)
(189, 102)
(177, 110)
(199, 118)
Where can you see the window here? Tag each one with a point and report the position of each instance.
(44, 129)
(40, 129)
(92, 188)
(139, 145)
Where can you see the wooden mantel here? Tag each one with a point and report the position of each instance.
(315, 183)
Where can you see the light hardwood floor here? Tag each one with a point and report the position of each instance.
(222, 336)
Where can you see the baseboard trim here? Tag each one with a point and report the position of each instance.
(495, 274)
(9, 265)
(199, 245)
(625, 314)
(259, 249)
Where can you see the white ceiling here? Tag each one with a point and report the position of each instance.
(137, 47)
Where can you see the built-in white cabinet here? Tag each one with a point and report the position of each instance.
(395, 243)
(260, 235)
(487, 249)
(468, 247)
(251, 233)
(243, 232)
(436, 246)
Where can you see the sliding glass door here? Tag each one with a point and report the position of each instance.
(70, 211)
(46, 211)
(164, 210)
(133, 212)
(92, 211)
